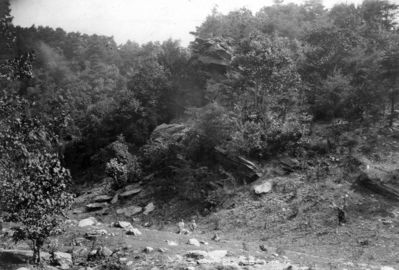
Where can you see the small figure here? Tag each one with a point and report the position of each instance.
(180, 226)
(193, 225)
(216, 238)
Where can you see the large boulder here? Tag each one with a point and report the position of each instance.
(96, 206)
(129, 211)
(169, 131)
(102, 198)
(149, 208)
(212, 51)
(15, 256)
(263, 186)
(129, 193)
(91, 221)
(62, 259)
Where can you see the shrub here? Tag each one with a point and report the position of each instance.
(34, 196)
(118, 172)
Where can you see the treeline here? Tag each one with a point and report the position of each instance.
(261, 78)
(250, 84)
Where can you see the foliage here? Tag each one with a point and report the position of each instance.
(34, 183)
(117, 171)
(123, 167)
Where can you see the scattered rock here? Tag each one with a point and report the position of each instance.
(129, 193)
(184, 231)
(216, 238)
(115, 199)
(102, 198)
(49, 267)
(196, 254)
(289, 164)
(93, 253)
(96, 206)
(172, 243)
(80, 252)
(148, 250)
(105, 252)
(149, 208)
(263, 187)
(71, 222)
(62, 259)
(132, 231)
(87, 222)
(194, 242)
(387, 268)
(217, 255)
(78, 211)
(129, 211)
(263, 248)
(122, 224)
(94, 234)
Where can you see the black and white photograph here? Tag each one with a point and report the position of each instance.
(199, 134)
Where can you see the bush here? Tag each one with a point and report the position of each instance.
(122, 166)
(34, 196)
(118, 172)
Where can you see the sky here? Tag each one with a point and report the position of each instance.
(137, 20)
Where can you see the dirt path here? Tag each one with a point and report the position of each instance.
(247, 255)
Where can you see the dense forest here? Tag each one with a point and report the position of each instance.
(78, 108)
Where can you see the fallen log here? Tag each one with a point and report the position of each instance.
(241, 167)
(377, 186)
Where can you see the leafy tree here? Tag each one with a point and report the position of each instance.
(390, 73)
(34, 184)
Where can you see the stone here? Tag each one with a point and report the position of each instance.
(263, 248)
(15, 256)
(149, 208)
(197, 254)
(63, 259)
(93, 235)
(91, 221)
(204, 242)
(162, 250)
(148, 249)
(49, 267)
(104, 251)
(194, 242)
(133, 231)
(217, 255)
(115, 199)
(387, 268)
(78, 211)
(102, 198)
(122, 224)
(80, 252)
(129, 193)
(216, 237)
(172, 243)
(129, 211)
(96, 206)
(263, 187)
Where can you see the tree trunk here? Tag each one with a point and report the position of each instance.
(392, 109)
(36, 252)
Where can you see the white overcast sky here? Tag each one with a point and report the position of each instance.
(137, 20)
